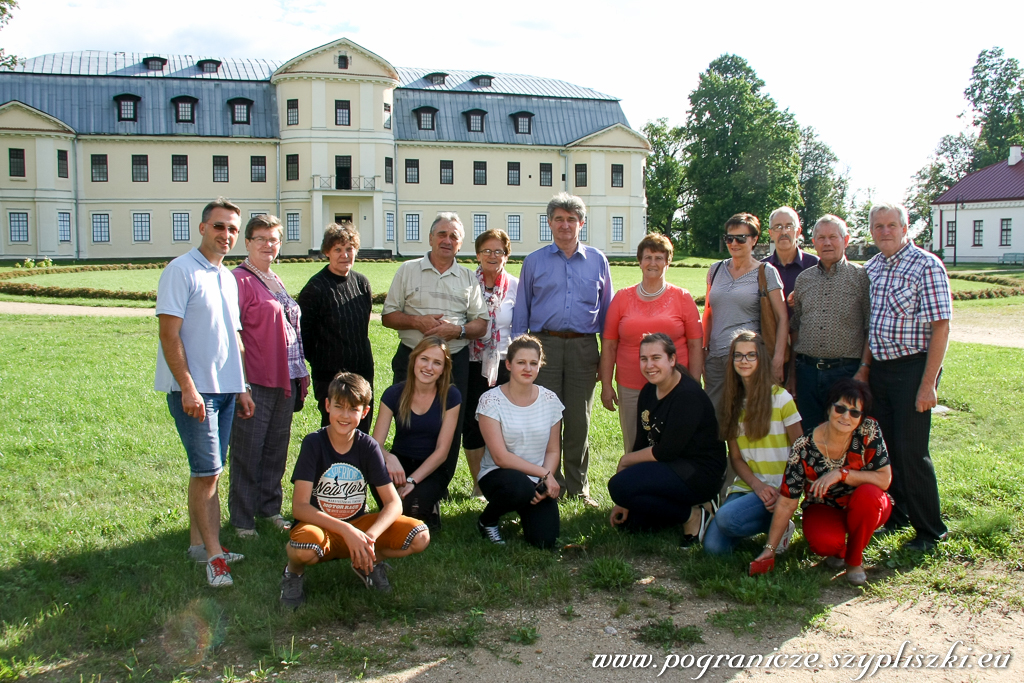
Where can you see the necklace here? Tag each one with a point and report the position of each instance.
(266, 277)
(644, 292)
(829, 463)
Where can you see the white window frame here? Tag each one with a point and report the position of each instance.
(389, 226)
(142, 227)
(545, 229)
(63, 226)
(479, 224)
(175, 217)
(621, 228)
(98, 224)
(412, 222)
(293, 226)
(11, 227)
(513, 226)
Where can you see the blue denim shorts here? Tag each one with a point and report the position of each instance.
(206, 442)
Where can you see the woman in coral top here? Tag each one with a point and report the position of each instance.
(654, 305)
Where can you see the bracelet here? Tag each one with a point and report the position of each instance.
(248, 387)
(462, 333)
(865, 365)
(769, 546)
(844, 473)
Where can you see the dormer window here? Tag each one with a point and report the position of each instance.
(241, 109)
(523, 121)
(127, 107)
(208, 66)
(425, 117)
(184, 109)
(342, 61)
(154, 63)
(483, 81)
(475, 120)
(436, 78)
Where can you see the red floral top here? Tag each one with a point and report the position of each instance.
(806, 464)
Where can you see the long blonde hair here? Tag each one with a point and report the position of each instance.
(757, 413)
(443, 382)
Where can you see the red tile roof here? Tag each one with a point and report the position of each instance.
(998, 182)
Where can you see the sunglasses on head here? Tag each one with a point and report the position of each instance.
(842, 410)
(738, 239)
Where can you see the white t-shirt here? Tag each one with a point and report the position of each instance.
(526, 429)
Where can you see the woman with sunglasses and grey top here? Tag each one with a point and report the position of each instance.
(733, 303)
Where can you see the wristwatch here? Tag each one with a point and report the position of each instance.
(410, 480)
(844, 473)
(462, 332)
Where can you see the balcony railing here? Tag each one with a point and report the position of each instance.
(341, 182)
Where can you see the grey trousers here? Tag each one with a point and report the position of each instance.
(259, 453)
(627, 415)
(714, 386)
(570, 370)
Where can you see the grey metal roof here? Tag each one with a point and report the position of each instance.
(97, 63)
(555, 121)
(506, 84)
(87, 104)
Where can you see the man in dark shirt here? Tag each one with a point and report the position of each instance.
(788, 258)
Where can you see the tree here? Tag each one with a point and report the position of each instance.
(664, 176)
(996, 94)
(742, 151)
(822, 189)
(953, 159)
(6, 9)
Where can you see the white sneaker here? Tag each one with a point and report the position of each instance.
(197, 553)
(786, 538)
(217, 573)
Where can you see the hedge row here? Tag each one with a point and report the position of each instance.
(24, 289)
(990, 279)
(29, 272)
(988, 294)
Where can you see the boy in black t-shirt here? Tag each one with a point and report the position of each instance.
(329, 502)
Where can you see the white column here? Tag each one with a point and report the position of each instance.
(316, 231)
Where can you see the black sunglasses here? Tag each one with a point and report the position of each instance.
(739, 239)
(842, 410)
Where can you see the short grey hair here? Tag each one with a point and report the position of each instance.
(888, 206)
(829, 219)
(448, 217)
(220, 203)
(567, 202)
(789, 211)
(263, 221)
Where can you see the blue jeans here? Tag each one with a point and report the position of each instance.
(742, 515)
(206, 442)
(813, 385)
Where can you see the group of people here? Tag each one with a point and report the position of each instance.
(507, 368)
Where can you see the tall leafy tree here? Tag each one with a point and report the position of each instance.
(954, 157)
(664, 176)
(742, 151)
(823, 188)
(6, 9)
(996, 94)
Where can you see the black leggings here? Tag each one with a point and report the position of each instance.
(654, 495)
(426, 494)
(511, 491)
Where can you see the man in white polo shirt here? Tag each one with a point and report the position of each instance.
(199, 367)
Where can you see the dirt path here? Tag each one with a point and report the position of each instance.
(20, 308)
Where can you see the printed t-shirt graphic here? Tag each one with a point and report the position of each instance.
(341, 491)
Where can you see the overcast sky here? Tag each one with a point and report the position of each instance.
(880, 81)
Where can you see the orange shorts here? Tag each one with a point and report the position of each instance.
(331, 546)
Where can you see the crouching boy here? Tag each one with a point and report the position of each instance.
(329, 502)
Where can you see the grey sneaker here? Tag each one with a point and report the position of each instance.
(217, 573)
(490, 533)
(291, 589)
(835, 563)
(197, 553)
(377, 579)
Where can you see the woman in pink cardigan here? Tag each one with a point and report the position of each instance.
(276, 378)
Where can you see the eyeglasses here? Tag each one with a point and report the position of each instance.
(496, 252)
(842, 410)
(272, 241)
(788, 227)
(749, 357)
(738, 239)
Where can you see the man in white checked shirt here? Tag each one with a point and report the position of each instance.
(908, 334)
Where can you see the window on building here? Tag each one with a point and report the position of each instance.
(447, 172)
(62, 163)
(618, 234)
(241, 110)
(64, 226)
(140, 168)
(617, 175)
(583, 233)
(512, 227)
(99, 168)
(425, 118)
(292, 229)
(412, 227)
(523, 123)
(220, 169)
(179, 168)
(581, 175)
(292, 167)
(389, 227)
(342, 61)
(436, 78)
(17, 162)
(513, 173)
(127, 107)
(293, 112)
(140, 227)
(979, 233)
(475, 120)
(479, 224)
(545, 229)
(950, 233)
(179, 227)
(342, 113)
(483, 81)
(208, 66)
(387, 115)
(258, 165)
(343, 172)
(389, 170)
(412, 172)
(1005, 228)
(101, 227)
(479, 172)
(184, 109)
(545, 175)
(155, 63)
(18, 221)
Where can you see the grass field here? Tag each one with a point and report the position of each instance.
(93, 505)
